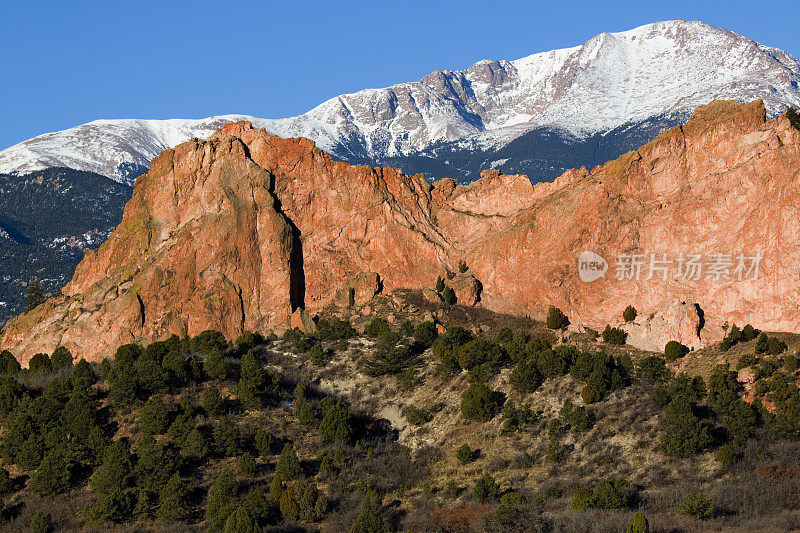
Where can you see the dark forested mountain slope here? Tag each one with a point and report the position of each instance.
(48, 219)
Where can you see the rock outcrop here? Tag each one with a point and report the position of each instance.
(466, 287)
(302, 321)
(240, 230)
(203, 241)
(359, 289)
(671, 321)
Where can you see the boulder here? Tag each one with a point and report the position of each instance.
(301, 320)
(431, 295)
(466, 287)
(363, 287)
(746, 376)
(674, 321)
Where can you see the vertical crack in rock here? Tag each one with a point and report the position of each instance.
(141, 309)
(241, 304)
(297, 275)
(701, 318)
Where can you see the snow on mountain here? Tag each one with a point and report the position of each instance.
(614, 79)
(103, 146)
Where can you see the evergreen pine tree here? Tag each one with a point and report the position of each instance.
(142, 507)
(486, 489)
(439, 284)
(82, 375)
(40, 362)
(465, 454)
(213, 403)
(10, 395)
(52, 476)
(153, 416)
(794, 117)
(276, 487)
(629, 315)
(114, 472)
(6, 483)
(226, 438)
(40, 523)
(335, 424)
(35, 295)
(78, 416)
(480, 403)
(122, 380)
(762, 344)
(97, 442)
(241, 521)
(194, 446)
(639, 524)
(214, 365)
(251, 381)
(246, 465)
(221, 502)
(288, 505)
(171, 501)
(556, 319)
(449, 296)
(288, 466)
(263, 441)
(61, 358)
(258, 505)
(9, 363)
(252, 374)
(176, 368)
(369, 520)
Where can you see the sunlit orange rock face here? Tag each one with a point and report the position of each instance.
(237, 231)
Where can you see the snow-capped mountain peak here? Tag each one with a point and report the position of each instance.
(660, 69)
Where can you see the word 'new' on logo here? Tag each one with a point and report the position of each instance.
(591, 266)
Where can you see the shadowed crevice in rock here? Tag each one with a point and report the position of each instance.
(297, 275)
(247, 152)
(141, 309)
(241, 304)
(297, 283)
(701, 318)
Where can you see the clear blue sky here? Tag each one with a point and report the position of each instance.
(66, 63)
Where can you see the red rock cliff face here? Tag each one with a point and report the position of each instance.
(201, 242)
(237, 231)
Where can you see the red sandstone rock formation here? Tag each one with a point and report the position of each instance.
(466, 287)
(362, 287)
(238, 231)
(302, 321)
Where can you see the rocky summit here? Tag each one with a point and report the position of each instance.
(539, 114)
(697, 228)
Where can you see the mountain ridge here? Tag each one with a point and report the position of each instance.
(244, 230)
(659, 71)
